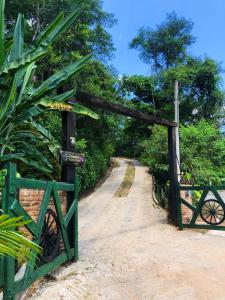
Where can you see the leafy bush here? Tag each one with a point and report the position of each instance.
(202, 149)
(155, 154)
(203, 152)
(97, 161)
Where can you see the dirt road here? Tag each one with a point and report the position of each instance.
(129, 252)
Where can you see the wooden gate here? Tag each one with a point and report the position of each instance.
(60, 240)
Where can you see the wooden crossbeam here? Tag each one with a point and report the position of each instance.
(122, 110)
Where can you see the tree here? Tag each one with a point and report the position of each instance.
(166, 46)
(87, 35)
(22, 100)
(200, 93)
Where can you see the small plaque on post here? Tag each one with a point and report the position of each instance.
(71, 158)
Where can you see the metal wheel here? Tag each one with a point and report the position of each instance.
(212, 212)
(50, 237)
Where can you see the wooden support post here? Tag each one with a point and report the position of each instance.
(68, 171)
(173, 194)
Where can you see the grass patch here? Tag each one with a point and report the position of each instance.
(127, 182)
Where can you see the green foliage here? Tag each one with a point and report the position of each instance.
(166, 46)
(13, 243)
(202, 153)
(196, 195)
(201, 96)
(155, 154)
(200, 92)
(130, 137)
(97, 140)
(23, 100)
(99, 81)
(88, 34)
(97, 158)
(3, 173)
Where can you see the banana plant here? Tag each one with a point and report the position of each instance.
(13, 243)
(21, 100)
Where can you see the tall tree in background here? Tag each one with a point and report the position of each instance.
(89, 34)
(166, 49)
(167, 45)
(201, 94)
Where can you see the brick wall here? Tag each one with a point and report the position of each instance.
(31, 200)
(186, 212)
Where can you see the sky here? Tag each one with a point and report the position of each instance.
(209, 28)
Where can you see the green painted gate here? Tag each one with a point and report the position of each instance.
(205, 207)
(66, 252)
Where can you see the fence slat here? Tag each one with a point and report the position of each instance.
(61, 223)
(20, 211)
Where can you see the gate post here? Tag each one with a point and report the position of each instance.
(173, 191)
(68, 171)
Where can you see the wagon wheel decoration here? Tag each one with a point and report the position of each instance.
(212, 212)
(50, 237)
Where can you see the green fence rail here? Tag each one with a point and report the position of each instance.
(52, 220)
(201, 207)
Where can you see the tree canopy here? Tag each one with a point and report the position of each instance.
(200, 91)
(89, 34)
(167, 45)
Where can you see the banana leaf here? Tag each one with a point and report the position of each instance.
(59, 77)
(43, 35)
(18, 40)
(65, 96)
(80, 109)
(13, 243)
(73, 107)
(43, 131)
(28, 70)
(29, 113)
(23, 61)
(2, 31)
(8, 100)
(56, 28)
(13, 156)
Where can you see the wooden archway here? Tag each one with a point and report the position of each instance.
(69, 127)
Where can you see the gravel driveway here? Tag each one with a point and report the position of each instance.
(129, 252)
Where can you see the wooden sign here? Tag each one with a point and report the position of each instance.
(71, 158)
